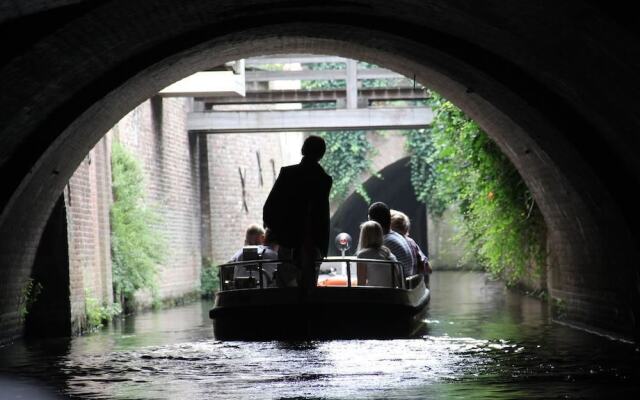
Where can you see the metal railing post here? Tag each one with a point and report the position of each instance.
(348, 273)
(393, 275)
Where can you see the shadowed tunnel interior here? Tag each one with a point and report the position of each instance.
(554, 84)
(392, 187)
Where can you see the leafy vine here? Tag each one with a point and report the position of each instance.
(348, 154)
(137, 248)
(453, 162)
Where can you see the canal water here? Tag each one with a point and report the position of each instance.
(483, 342)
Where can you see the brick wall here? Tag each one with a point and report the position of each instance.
(175, 165)
(155, 132)
(87, 197)
(227, 160)
(446, 248)
(258, 159)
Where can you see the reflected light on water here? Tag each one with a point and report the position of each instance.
(335, 369)
(482, 342)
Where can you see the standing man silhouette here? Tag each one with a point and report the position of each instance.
(297, 210)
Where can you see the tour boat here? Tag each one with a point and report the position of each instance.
(250, 306)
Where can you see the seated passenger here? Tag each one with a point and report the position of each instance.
(253, 249)
(397, 243)
(400, 223)
(254, 236)
(371, 247)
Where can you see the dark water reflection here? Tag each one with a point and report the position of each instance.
(483, 342)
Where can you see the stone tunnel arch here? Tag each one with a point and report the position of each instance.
(393, 187)
(570, 136)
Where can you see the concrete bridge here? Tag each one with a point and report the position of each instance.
(554, 84)
(350, 108)
(310, 120)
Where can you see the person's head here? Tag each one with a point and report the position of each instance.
(254, 235)
(380, 213)
(400, 222)
(371, 236)
(313, 148)
(270, 239)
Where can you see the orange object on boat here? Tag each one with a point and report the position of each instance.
(337, 281)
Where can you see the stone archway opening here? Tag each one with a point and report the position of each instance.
(393, 187)
(580, 207)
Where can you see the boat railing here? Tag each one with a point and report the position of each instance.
(247, 274)
(331, 271)
(363, 267)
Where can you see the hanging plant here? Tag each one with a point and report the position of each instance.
(137, 248)
(453, 162)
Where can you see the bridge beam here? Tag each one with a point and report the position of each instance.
(309, 120)
(316, 95)
(293, 58)
(319, 75)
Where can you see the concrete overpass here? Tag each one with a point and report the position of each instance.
(309, 120)
(352, 106)
(268, 96)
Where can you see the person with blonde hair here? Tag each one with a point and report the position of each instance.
(400, 223)
(371, 246)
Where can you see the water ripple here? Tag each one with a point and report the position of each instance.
(483, 342)
(337, 369)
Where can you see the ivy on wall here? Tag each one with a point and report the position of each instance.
(28, 296)
(136, 247)
(454, 162)
(349, 153)
(348, 156)
(423, 169)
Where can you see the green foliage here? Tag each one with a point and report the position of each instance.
(324, 84)
(137, 248)
(271, 67)
(98, 313)
(28, 295)
(367, 65)
(348, 156)
(383, 83)
(455, 163)
(558, 308)
(209, 278)
(423, 165)
(322, 66)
